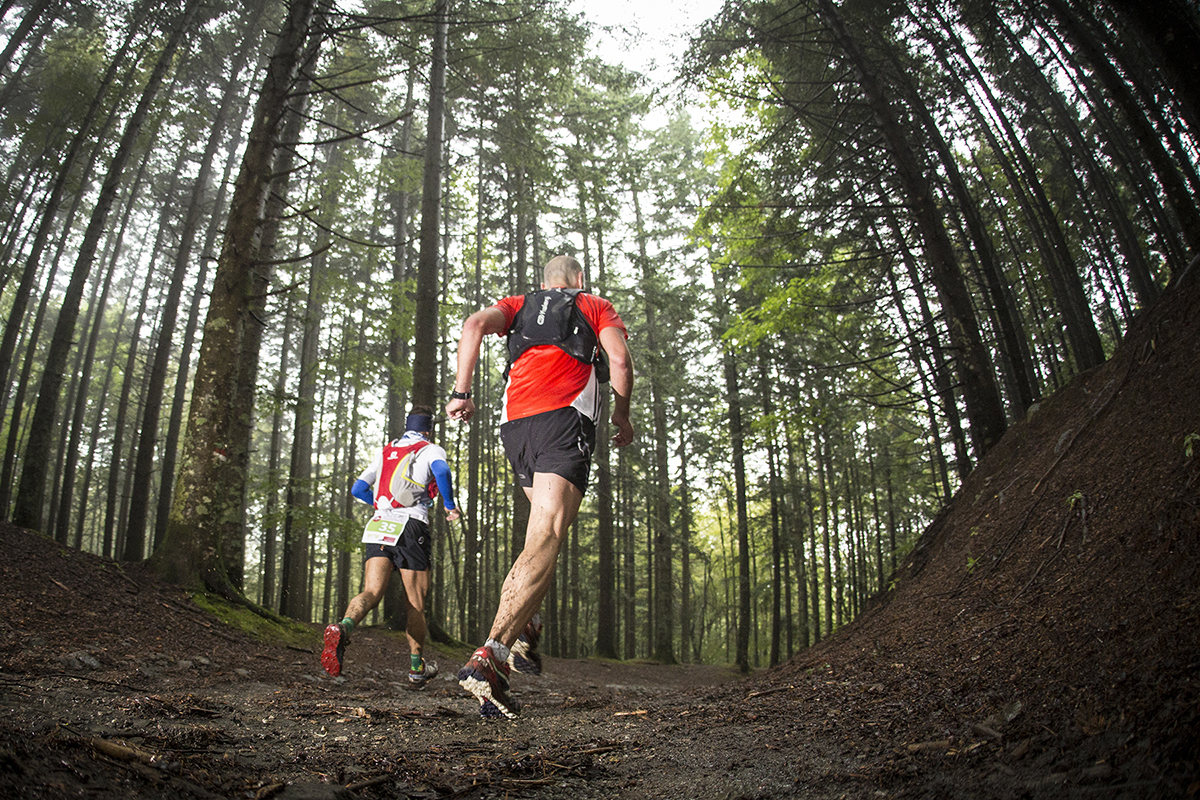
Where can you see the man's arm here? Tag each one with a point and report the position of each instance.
(620, 368)
(478, 325)
(445, 484)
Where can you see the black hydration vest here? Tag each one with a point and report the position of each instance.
(550, 316)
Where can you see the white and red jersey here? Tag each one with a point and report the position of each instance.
(545, 377)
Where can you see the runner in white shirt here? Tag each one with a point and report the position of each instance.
(403, 481)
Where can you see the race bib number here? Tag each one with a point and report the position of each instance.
(382, 531)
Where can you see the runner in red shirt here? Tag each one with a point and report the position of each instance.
(551, 401)
(547, 378)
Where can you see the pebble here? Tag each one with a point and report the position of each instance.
(79, 660)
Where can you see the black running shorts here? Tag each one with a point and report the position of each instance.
(414, 549)
(559, 442)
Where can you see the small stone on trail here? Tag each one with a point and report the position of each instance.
(79, 660)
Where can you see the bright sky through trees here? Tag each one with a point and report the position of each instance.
(645, 36)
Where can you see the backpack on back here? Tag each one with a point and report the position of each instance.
(550, 317)
(397, 489)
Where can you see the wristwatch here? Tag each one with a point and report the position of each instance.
(460, 395)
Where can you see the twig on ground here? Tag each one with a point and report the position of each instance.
(378, 779)
(766, 692)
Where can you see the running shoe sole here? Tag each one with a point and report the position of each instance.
(335, 647)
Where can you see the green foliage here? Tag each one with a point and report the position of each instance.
(60, 87)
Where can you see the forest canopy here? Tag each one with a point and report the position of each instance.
(852, 243)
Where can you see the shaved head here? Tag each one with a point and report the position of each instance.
(562, 271)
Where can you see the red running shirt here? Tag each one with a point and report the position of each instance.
(545, 378)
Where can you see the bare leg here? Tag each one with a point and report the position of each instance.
(376, 573)
(416, 586)
(554, 502)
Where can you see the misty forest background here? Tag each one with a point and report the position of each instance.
(852, 242)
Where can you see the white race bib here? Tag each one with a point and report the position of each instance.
(383, 531)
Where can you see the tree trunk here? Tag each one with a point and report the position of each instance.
(764, 388)
(1059, 263)
(97, 307)
(799, 529)
(1098, 184)
(270, 557)
(298, 540)
(823, 490)
(32, 18)
(425, 346)
(179, 393)
(20, 297)
(926, 349)
(737, 454)
(663, 645)
(629, 577)
(686, 622)
(143, 467)
(398, 352)
(814, 597)
(209, 491)
(470, 615)
(349, 502)
(275, 210)
(606, 566)
(112, 492)
(1007, 320)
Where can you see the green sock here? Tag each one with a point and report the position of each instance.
(348, 624)
(416, 661)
